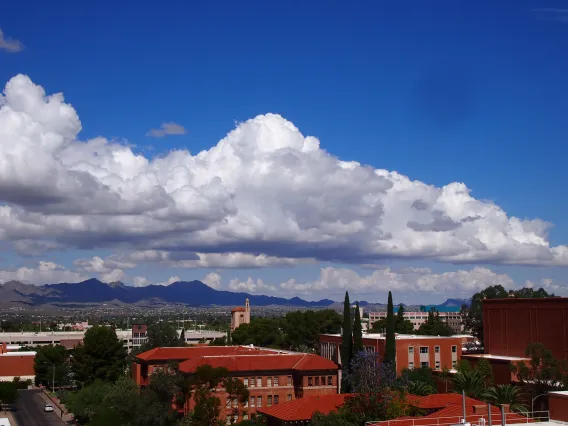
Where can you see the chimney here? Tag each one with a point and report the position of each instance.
(480, 409)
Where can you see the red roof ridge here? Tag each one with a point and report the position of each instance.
(299, 361)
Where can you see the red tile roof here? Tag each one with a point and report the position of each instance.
(440, 400)
(184, 353)
(260, 362)
(304, 408)
(238, 309)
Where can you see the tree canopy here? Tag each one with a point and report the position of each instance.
(49, 358)
(100, 356)
(390, 349)
(346, 344)
(357, 331)
(162, 334)
(434, 326)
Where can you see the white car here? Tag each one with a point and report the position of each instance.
(48, 408)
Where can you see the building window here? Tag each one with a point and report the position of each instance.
(424, 364)
(289, 380)
(259, 401)
(246, 380)
(276, 399)
(423, 349)
(289, 397)
(411, 350)
(310, 381)
(330, 380)
(275, 381)
(437, 349)
(454, 349)
(246, 404)
(252, 380)
(269, 401)
(245, 416)
(317, 381)
(411, 365)
(259, 381)
(437, 365)
(454, 363)
(269, 381)
(235, 403)
(252, 401)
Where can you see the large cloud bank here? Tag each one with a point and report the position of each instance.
(264, 192)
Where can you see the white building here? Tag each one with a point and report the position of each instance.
(453, 319)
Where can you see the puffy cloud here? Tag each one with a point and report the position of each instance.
(264, 191)
(251, 286)
(110, 269)
(214, 260)
(169, 281)
(43, 273)
(337, 280)
(140, 281)
(167, 129)
(10, 45)
(212, 279)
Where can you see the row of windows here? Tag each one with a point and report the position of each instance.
(270, 381)
(426, 364)
(316, 381)
(425, 349)
(256, 401)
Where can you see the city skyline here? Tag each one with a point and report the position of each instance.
(328, 159)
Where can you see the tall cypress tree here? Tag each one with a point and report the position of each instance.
(346, 345)
(357, 331)
(390, 350)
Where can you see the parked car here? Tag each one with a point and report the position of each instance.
(48, 408)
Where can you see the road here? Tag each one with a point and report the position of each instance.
(30, 410)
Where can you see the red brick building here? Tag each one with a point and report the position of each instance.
(16, 364)
(412, 351)
(510, 325)
(271, 376)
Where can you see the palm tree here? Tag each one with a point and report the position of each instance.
(506, 394)
(421, 388)
(471, 382)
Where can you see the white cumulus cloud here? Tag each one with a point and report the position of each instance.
(43, 273)
(167, 129)
(213, 280)
(264, 191)
(10, 45)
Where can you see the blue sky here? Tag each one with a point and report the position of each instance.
(471, 92)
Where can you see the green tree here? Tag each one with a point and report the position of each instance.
(8, 393)
(207, 408)
(542, 374)
(100, 356)
(85, 403)
(49, 358)
(357, 331)
(422, 374)
(471, 382)
(218, 341)
(484, 368)
(346, 344)
(434, 326)
(163, 334)
(335, 418)
(463, 366)
(421, 388)
(446, 378)
(506, 394)
(265, 332)
(390, 350)
(237, 394)
(402, 325)
(303, 328)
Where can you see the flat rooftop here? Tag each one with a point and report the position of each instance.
(381, 336)
(497, 357)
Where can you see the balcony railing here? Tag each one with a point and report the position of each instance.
(473, 420)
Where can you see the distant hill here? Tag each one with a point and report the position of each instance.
(455, 302)
(193, 293)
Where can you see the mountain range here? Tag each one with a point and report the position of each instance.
(192, 293)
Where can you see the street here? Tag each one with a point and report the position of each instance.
(30, 410)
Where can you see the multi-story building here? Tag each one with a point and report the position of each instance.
(271, 376)
(511, 324)
(240, 315)
(417, 318)
(131, 339)
(412, 351)
(16, 364)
